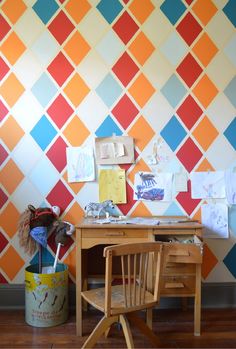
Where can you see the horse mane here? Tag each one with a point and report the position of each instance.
(25, 240)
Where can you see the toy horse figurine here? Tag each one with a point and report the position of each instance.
(95, 209)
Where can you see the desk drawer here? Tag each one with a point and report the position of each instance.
(114, 233)
(178, 285)
(184, 253)
(93, 237)
(178, 269)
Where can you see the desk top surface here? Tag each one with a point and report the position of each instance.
(163, 222)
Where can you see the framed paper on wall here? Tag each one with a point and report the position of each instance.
(114, 150)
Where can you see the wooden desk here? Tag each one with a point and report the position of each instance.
(89, 235)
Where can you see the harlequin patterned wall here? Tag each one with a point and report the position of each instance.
(72, 70)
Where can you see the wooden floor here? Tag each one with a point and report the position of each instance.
(174, 328)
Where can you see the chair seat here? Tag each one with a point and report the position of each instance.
(96, 297)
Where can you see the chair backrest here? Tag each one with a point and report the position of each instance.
(140, 262)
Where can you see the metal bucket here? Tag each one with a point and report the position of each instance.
(46, 296)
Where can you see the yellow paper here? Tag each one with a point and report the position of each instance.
(112, 186)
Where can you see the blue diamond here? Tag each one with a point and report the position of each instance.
(229, 260)
(174, 91)
(230, 91)
(230, 133)
(173, 133)
(44, 176)
(173, 210)
(109, 9)
(45, 12)
(108, 128)
(230, 49)
(109, 90)
(43, 132)
(230, 11)
(173, 9)
(44, 90)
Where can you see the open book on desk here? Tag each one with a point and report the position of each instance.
(169, 220)
(134, 220)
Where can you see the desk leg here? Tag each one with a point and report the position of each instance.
(197, 304)
(84, 280)
(78, 283)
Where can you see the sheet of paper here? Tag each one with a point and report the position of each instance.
(111, 150)
(119, 149)
(80, 164)
(107, 150)
(181, 182)
(208, 185)
(134, 220)
(153, 187)
(114, 150)
(230, 186)
(215, 221)
(143, 221)
(112, 186)
(102, 221)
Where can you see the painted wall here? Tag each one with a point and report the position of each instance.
(73, 70)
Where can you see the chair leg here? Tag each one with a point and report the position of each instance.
(106, 334)
(127, 332)
(137, 321)
(149, 318)
(101, 328)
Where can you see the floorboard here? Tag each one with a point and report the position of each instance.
(174, 328)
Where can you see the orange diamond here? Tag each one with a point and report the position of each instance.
(11, 176)
(77, 48)
(141, 90)
(76, 90)
(205, 91)
(141, 211)
(12, 10)
(71, 133)
(77, 9)
(6, 90)
(205, 166)
(12, 48)
(209, 261)
(142, 132)
(140, 166)
(11, 133)
(11, 263)
(205, 10)
(9, 218)
(141, 9)
(197, 215)
(70, 260)
(76, 187)
(74, 214)
(205, 49)
(205, 133)
(141, 48)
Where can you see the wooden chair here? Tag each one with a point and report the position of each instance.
(120, 303)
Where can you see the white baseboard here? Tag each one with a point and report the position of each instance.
(214, 295)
